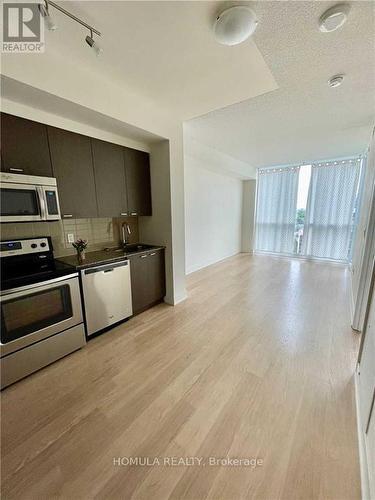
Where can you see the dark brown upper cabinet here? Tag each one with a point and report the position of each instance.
(94, 177)
(109, 179)
(73, 168)
(24, 146)
(138, 182)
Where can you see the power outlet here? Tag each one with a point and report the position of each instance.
(70, 237)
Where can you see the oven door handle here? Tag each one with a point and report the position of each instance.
(42, 202)
(44, 285)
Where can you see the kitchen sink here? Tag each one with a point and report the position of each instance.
(137, 248)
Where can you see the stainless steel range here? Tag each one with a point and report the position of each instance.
(41, 313)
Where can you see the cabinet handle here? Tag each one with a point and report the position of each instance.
(134, 213)
(143, 256)
(154, 253)
(12, 169)
(67, 216)
(124, 213)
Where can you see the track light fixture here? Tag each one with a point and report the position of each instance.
(47, 18)
(50, 25)
(93, 44)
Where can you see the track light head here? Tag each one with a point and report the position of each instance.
(50, 24)
(93, 44)
(48, 20)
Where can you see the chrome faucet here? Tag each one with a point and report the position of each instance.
(126, 232)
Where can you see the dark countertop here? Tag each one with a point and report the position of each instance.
(104, 257)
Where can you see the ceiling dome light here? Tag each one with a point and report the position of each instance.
(336, 81)
(334, 18)
(235, 25)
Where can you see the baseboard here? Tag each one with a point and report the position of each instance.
(352, 304)
(175, 300)
(303, 258)
(180, 299)
(365, 482)
(198, 267)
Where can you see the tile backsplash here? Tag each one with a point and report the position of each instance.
(99, 232)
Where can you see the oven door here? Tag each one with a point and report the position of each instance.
(21, 203)
(33, 313)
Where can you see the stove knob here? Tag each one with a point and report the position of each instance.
(43, 245)
(33, 245)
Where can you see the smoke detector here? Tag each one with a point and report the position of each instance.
(333, 18)
(336, 81)
(235, 25)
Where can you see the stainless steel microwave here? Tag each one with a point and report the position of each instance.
(26, 198)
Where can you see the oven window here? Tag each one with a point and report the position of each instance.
(34, 311)
(19, 202)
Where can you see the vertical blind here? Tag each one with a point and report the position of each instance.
(330, 216)
(276, 209)
(329, 221)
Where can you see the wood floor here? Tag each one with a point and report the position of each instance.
(256, 364)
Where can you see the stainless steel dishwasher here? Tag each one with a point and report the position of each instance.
(107, 295)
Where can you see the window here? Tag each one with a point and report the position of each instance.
(303, 191)
(308, 210)
(276, 209)
(329, 221)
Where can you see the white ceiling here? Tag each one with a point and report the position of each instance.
(164, 50)
(304, 119)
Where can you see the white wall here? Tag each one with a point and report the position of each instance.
(42, 116)
(68, 81)
(213, 159)
(365, 387)
(213, 215)
(362, 233)
(155, 229)
(248, 213)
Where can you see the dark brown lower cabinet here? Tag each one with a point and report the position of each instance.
(147, 272)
